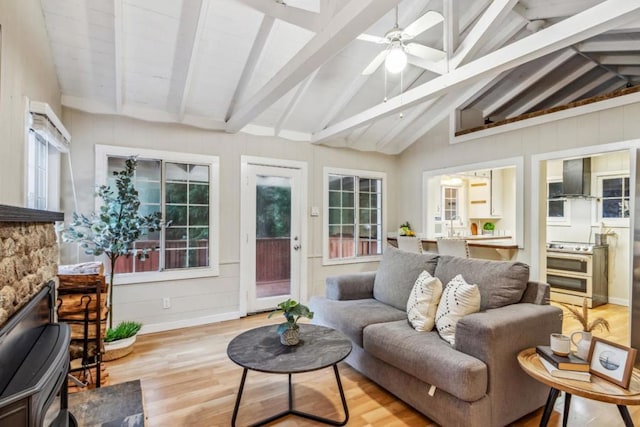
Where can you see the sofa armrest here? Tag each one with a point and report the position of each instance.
(350, 286)
(536, 293)
(496, 337)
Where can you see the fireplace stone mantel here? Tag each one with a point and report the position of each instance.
(17, 214)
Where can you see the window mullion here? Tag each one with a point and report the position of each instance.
(163, 213)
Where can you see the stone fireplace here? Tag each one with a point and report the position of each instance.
(28, 256)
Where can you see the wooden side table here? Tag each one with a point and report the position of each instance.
(598, 389)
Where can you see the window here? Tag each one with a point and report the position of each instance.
(354, 215)
(614, 191)
(184, 189)
(557, 206)
(450, 203)
(37, 189)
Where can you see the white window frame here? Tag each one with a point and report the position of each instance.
(103, 152)
(443, 201)
(597, 214)
(325, 200)
(564, 220)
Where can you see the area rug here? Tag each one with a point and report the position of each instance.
(118, 405)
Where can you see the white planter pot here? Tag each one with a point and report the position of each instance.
(116, 349)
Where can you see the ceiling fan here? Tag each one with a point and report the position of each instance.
(395, 55)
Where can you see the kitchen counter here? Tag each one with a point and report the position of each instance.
(481, 246)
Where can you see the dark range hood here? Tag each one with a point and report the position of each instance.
(576, 178)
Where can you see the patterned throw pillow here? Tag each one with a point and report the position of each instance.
(423, 302)
(458, 299)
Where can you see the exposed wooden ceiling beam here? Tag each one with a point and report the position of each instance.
(302, 89)
(553, 63)
(628, 70)
(527, 104)
(609, 46)
(451, 12)
(512, 24)
(192, 22)
(583, 89)
(354, 18)
(118, 32)
(606, 59)
(302, 18)
(572, 30)
(250, 65)
(554, 8)
(474, 40)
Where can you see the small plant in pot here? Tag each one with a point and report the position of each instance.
(118, 341)
(289, 331)
(488, 228)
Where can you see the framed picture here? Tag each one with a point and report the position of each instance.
(611, 361)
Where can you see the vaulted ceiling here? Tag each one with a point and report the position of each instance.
(313, 70)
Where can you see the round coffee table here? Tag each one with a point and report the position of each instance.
(260, 350)
(598, 389)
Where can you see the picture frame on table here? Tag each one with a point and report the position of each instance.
(611, 361)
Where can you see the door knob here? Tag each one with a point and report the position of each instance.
(296, 247)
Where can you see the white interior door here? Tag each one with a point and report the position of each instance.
(271, 264)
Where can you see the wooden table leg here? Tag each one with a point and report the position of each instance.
(628, 422)
(567, 404)
(548, 408)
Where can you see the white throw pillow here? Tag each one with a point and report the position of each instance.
(458, 299)
(423, 302)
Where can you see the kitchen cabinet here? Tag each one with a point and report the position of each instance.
(485, 195)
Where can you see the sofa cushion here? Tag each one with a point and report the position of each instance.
(423, 302)
(397, 274)
(351, 317)
(500, 282)
(427, 357)
(459, 298)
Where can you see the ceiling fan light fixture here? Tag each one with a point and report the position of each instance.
(396, 60)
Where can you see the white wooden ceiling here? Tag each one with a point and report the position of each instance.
(295, 69)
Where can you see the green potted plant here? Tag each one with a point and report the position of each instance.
(115, 228)
(488, 228)
(119, 341)
(289, 331)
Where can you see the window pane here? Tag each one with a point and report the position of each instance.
(334, 230)
(556, 209)
(199, 173)
(176, 171)
(115, 164)
(199, 215)
(612, 187)
(555, 189)
(365, 231)
(148, 192)
(175, 258)
(365, 216)
(335, 182)
(199, 194)
(374, 200)
(334, 216)
(177, 214)
(374, 216)
(626, 187)
(175, 193)
(347, 200)
(347, 231)
(347, 183)
(198, 237)
(347, 216)
(364, 200)
(611, 208)
(198, 258)
(365, 185)
(176, 233)
(147, 170)
(334, 199)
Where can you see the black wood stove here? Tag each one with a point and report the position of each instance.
(34, 361)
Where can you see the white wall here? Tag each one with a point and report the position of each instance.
(215, 298)
(433, 151)
(26, 70)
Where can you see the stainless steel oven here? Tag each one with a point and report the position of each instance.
(574, 271)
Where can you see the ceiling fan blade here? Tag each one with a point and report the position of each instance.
(425, 52)
(377, 61)
(422, 24)
(371, 38)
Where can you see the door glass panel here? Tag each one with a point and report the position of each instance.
(564, 264)
(273, 236)
(577, 284)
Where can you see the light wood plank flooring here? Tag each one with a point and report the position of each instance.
(188, 380)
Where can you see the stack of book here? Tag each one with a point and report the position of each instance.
(569, 367)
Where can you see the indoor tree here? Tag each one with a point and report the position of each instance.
(115, 228)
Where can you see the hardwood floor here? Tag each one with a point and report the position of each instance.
(188, 380)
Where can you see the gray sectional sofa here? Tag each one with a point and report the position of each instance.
(476, 382)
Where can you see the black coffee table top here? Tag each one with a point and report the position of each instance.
(260, 350)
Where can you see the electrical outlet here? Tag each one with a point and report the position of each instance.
(166, 302)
